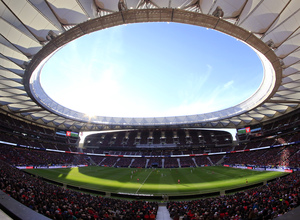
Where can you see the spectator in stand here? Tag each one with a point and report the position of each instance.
(265, 202)
(58, 203)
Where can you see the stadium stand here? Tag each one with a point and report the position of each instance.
(28, 148)
(59, 203)
(34, 132)
(266, 202)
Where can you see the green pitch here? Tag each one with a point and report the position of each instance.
(156, 181)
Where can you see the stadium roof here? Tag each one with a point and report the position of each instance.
(31, 30)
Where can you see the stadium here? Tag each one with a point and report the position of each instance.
(61, 163)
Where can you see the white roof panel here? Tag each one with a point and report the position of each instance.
(258, 17)
(68, 11)
(24, 25)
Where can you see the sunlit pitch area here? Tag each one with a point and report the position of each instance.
(157, 181)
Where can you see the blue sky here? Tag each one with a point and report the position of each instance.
(152, 70)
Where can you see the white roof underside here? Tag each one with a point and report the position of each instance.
(25, 24)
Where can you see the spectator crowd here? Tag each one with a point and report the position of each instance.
(265, 202)
(59, 203)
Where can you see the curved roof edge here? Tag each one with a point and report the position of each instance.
(28, 26)
(272, 72)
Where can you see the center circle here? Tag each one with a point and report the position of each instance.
(152, 70)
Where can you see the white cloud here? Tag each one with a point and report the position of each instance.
(97, 85)
(229, 84)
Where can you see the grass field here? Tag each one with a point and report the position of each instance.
(156, 181)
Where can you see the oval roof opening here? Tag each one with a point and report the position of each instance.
(152, 70)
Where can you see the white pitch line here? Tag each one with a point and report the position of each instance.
(143, 182)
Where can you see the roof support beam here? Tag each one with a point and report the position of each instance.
(268, 30)
(283, 101)
(34, 37)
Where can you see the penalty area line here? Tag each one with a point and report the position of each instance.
(143, 182)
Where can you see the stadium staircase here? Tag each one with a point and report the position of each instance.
(221, 161)
(211, 163)
(147, 163)
(163, 213)
(193, 159)
(131, 162)
(116, 162)
(178, 160)
(101, 161)
(90, 161)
